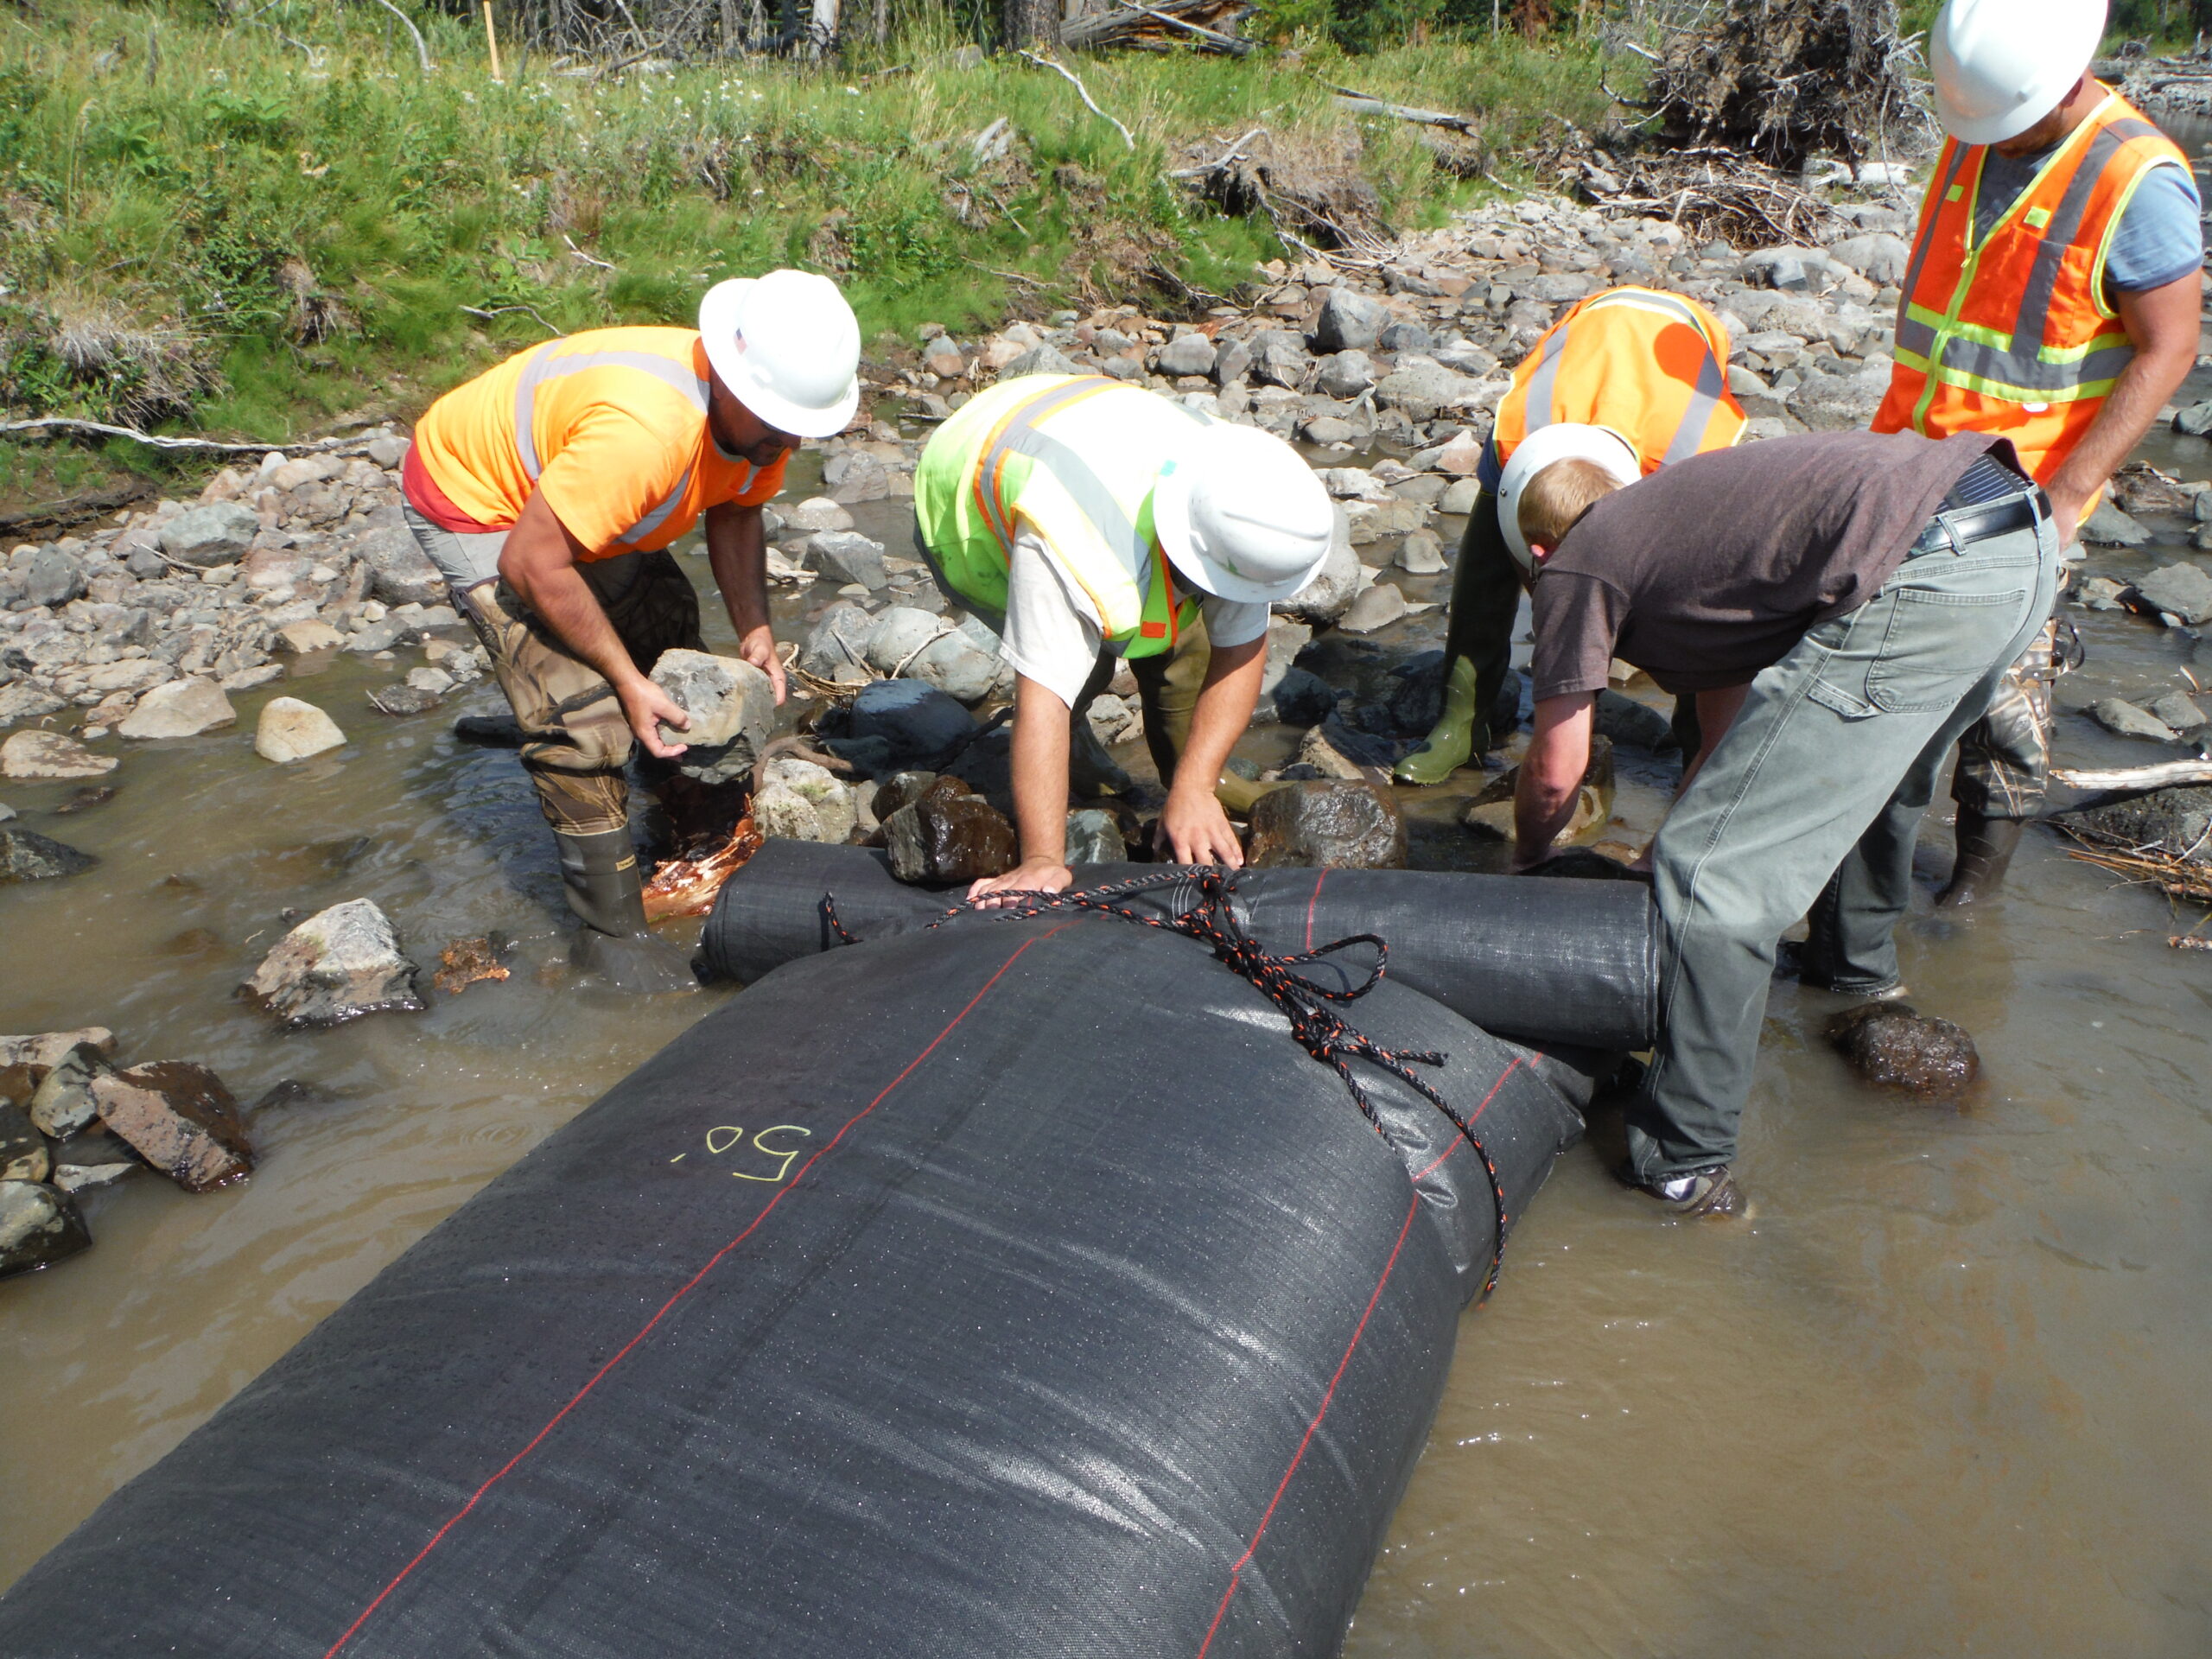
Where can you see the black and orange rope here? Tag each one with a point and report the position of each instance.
(1318, 1028)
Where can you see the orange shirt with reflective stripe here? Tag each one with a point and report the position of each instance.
(1649, 365)
(611, 425)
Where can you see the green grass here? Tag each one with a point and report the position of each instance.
(168, 178)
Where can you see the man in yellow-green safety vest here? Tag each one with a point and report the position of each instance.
(1086, 519)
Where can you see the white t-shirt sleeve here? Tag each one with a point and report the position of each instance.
(1047, 639)
(1229, 623)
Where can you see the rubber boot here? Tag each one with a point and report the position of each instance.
(1451, 742)
(607, 891)
(1985, 850)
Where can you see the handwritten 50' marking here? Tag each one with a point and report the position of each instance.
(728, 1137)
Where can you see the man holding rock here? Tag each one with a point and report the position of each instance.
(2054, 297)
(548, 490)
(1841, 605)
(1087, 520)
(1630, 380)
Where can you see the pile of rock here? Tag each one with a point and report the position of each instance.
(71, 1123)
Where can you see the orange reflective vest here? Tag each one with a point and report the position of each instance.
(2014, 335)
(1650, 366)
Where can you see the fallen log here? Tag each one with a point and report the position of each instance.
(2160, 777)
(1205, 23)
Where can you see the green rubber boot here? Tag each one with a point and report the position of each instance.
(1451, 742)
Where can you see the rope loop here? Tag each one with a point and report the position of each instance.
(1315, 1025)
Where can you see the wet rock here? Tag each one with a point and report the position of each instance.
(302, 638)
(1348, 321)
(218, 532)
(180, 709)
(180, 1118)
(1330, 594)
(403, 699)
(733, 708)
(291, 730)
(88, 1162)
(949, 834)
(829, 802)
(49, 754)
(921, 723)
(1344, 374)
(2182, 590)
(836, 651)
(2101, 593)
(817, 512)
(23, 1156)
(24, 701)
(1327, 429)
(2108, 526)
(1632, 725)
(1380, 604)
(1303, 699)
(1187, 354)
(33, 1057)
(490, 731)
(900, 789)
(2195, 421)
(435, 681)
(339, 963)
(26, 855)
(2124, 719)
(1094, 838)
(2173, 823)
(1334, 824)
(64, 1104)
(2180, 711)
(39, 1226)
(1889, 1044)
(851, 555)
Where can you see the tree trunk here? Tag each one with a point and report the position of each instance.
(1535, 17)
(1032, 23)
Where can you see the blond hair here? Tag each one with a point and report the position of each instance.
(1553, 501)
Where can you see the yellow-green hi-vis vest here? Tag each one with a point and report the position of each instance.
(1076, 458)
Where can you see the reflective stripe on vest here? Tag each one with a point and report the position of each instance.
(547, 364)
(1540, 404)
(2057, 344)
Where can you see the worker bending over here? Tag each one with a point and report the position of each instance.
(1841, 605)
(1629, 380)
(546, 491)
(1086, 519)
(2053, 297)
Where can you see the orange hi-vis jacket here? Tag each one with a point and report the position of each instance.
(610, 426)
(1650, 366)
(2014, 335)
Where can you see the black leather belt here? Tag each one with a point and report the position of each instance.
(1951, 529)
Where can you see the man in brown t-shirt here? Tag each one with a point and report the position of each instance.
(1843, 605)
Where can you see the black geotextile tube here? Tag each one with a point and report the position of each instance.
(1543, 962)
(1019, 1292)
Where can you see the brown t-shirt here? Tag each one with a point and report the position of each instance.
(1711, 569)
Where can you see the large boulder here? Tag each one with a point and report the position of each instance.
(1838, 403)
(290, 730)
(216, 532)
(1327, 823)
(182, 707)
(901, 634)
(26, 855)
(2182, 590)
(1879, 258)
(400, 573)
(180, 1119)
(1349, 321)
(337, 965)
(49, 754)
(733, 708)
(2112, 526)
(39, 1226)
(1424, 390)
(921, 723)
(23, 1156)
(1344, 374)
(956, 665)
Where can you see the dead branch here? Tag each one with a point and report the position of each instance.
(488, 313)
(1081, 92)
(422, 50)
(1367, 104)
(2160, 777)
(155, 441)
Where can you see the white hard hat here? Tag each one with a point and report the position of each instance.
(788, 347)
(1542, 448)
(1242, 516)
(2001, 66)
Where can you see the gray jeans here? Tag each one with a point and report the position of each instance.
(1826, 773)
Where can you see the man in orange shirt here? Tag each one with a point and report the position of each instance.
(548, 491)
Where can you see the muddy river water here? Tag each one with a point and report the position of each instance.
(1948, 1394)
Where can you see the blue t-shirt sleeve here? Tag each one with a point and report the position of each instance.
(2161, 236)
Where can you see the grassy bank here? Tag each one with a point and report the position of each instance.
(257, 228)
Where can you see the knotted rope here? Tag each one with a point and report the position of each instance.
(1314, 1022)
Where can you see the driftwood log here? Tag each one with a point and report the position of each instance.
(1208, 25)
